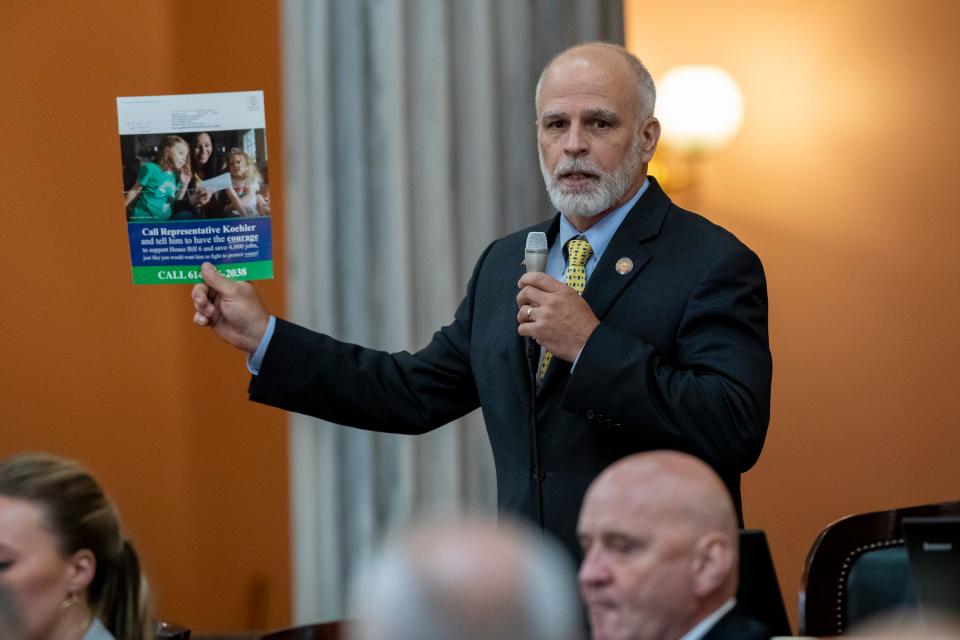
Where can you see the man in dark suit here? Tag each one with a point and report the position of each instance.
(666, 347)
(660, 542)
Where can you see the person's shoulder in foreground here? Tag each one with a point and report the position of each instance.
(469, 579)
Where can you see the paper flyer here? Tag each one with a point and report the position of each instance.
(195, 185)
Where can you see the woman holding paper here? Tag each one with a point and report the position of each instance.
(203, 166)
(202, 158)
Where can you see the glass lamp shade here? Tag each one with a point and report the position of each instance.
(700, 107)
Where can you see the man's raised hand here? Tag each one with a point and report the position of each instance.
(232, 309)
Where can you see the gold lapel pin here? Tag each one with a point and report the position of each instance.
(624, 266)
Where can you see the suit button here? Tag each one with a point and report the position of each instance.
(616, 424)
(589, 414)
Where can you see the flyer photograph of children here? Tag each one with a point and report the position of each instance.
(195, 176)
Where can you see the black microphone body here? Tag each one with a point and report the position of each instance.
(535, 259)
(533, 356)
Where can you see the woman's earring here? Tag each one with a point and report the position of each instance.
(70, 600)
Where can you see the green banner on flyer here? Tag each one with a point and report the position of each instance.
(261, 270)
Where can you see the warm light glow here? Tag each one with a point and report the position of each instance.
(700, 107)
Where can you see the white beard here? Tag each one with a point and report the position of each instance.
(596, 198)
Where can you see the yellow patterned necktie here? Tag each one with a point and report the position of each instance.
(578, 252)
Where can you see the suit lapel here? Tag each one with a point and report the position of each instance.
(642, 223)
(606, 284)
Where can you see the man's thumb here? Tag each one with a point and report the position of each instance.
(212, 277)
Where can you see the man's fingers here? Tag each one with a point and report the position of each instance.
(200, 296)
(526, 329)
(214, 280)
(205, 311)
(526, 314)
(532, 296)
(540, 281)
(210, 314)
(202, 303)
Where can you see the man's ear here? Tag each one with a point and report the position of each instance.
(83, 566)
(649, 137)
(713, 563)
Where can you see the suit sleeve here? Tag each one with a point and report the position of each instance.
(711, 397)
(311, 373)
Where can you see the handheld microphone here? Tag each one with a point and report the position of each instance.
(535, 254)
(535, 259)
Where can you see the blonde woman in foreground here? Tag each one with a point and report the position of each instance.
(64, 561)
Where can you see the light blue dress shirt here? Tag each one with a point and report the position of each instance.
(96, 631)
(254, 361)
(599, 236)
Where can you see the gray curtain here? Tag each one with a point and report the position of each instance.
(410, 146)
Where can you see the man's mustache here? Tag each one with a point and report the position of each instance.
(570, 167)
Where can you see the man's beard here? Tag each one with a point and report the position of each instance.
(596, 197)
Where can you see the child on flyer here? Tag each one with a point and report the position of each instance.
(160, 183)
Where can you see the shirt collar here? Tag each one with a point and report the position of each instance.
(600, 234)
(707, 623)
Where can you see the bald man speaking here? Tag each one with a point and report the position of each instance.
(649, 322)
(661, 552)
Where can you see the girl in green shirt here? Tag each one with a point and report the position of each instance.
(161, 183)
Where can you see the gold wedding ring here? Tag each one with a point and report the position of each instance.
(529, 314)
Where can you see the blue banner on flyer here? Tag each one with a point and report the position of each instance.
(223, 241)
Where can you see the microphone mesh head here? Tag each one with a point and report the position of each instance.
(536, 241)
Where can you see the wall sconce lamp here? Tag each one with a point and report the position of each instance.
(700, 108)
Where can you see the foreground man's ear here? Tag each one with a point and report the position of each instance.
(713, 563)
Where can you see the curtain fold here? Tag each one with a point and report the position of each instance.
(410, 146)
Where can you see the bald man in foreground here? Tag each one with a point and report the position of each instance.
(660, 540)
(467, 580)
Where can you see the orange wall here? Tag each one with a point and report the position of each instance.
(843, 179)
(840, 180)
(116, 375)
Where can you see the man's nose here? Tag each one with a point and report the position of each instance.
(576, 140)
(594, 570)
